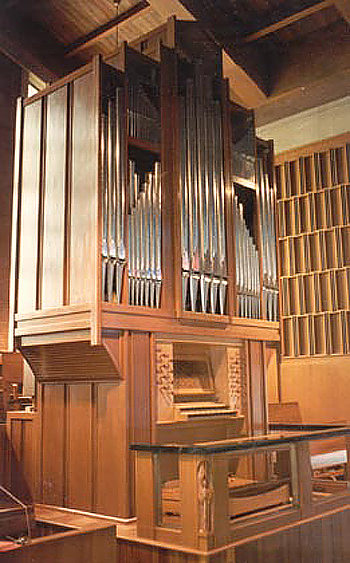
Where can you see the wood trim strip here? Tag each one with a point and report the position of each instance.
(96, 313)
(310, 148)
(16, 210)
(59, 84)
(48, 313)
(42, 189)
(68, 197)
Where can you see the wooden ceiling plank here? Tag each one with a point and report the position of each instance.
(288, 21)
(99, 32)
(343, 6)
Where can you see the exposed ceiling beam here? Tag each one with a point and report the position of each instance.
(299, 99)
(343, 7)
(168, 8)
(280, 13)
(287, 21)
(243, 89)
(32, 48)
(105, 29)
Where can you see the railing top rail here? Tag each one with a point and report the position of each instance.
(248, 444)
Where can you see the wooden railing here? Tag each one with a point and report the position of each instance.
(207, 496)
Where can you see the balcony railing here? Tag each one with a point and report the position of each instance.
(206, 496)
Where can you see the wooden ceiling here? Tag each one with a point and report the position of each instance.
(280, 55)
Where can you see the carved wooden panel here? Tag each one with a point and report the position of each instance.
(237, 380)
(164, 380)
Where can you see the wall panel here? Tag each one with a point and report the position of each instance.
(28, 250)
(55, 178)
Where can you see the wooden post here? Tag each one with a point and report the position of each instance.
(145, 494)
(204, 501)
(301, 477)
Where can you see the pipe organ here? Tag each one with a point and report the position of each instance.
(144, 287)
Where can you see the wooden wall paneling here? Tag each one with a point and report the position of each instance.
(53, 416)
(54, 210)
(30, 203)
(171, 298)
(79, 446)
(84, 191)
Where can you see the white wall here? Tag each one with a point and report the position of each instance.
(309, 126)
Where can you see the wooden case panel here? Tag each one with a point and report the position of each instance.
(54, 211)
(84, 191)
(79, 446)
(111, 450)
(140, 387)
(53, 444)
(30, 204)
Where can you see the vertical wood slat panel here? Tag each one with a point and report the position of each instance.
(55, 177)
(79, 446)
(111, 450)
(84, 192)
(28, 249)
(53, 457)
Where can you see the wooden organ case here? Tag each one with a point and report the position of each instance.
(144, 288)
